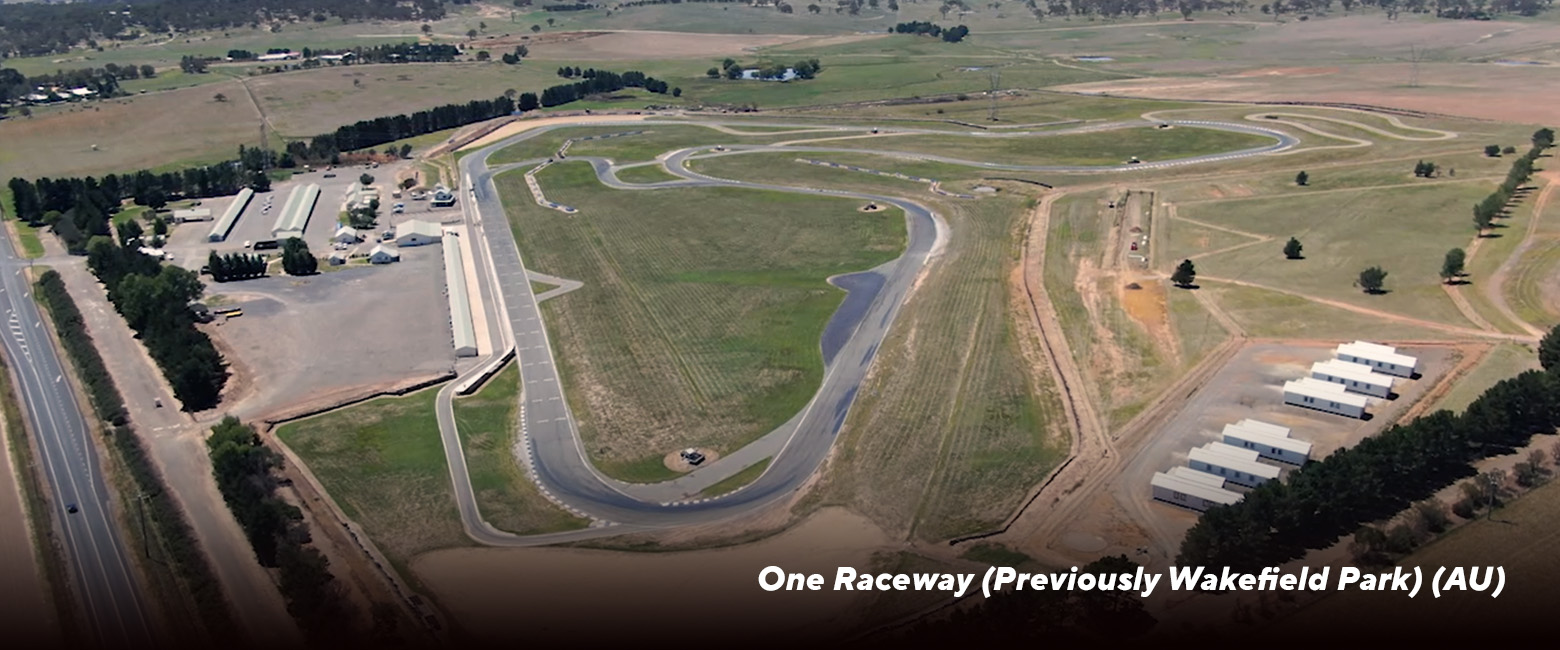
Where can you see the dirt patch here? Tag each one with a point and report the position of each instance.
(521, 126)
(871, 207)
(675, 462)
(1149, 306)
(1287, 72)
(567, 592)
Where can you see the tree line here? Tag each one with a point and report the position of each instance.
(244, 470)
(77, 209)
(154, 300)
(731, 69)
(924, 28)
(34, 29)
(235, 266)
(104, 81)
(600, 81)
(1381, 476)
(1484, 212)
(157, 504)
(368, 133)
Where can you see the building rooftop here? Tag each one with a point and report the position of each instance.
(1197, 489)
(1232, 457)
(1376, 352)
(1350, 370)
(1265, 437)
(1311, 387)
(418, 227)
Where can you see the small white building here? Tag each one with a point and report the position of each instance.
(1353, 377)
(347, 235)
(1324, 396)
(1237, 465)
(1381, 358)
(383, 255)
(1191, 489)
(1266, 442)
(417, 232)
(192, 214)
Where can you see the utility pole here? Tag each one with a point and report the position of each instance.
(1415, 56)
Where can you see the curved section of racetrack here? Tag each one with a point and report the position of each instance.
(552, 450)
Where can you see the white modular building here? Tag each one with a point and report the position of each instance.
(1381, 358)
(1353, 377)
(1191, 489)
(1237, 465)
(347, 235)
(1267, 442)
(192, 214)
(224, 225)
(383, 255)
(417, 232)
(1324, 396)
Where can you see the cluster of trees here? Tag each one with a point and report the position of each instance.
(1382, 475)
(243, 467)
(80, 208)
(1485, 211)
(296, 258)
(731, 69)
(578, 6)
(600, 81)
(924, 28)
(154, 300)
(364, 217)
(192, 64)
(104, 81)
(1423, 169)
(394, 53)
(516, 56)
(157, 505)
(643, 3)
(370, 133)
(235, 266)
(33, 29)
(1043, 618)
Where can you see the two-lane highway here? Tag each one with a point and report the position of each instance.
(102, 574)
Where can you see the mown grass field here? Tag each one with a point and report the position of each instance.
(957, 421)
(656, 139)
(489, 430)
(1405, 230)
(383, 463)
(1097, 148)
(1504, 361)
(645, 174)
(700, 318)
(784, 168)
(1270, 314)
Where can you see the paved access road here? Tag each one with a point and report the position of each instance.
(102, 574)
(552, 448)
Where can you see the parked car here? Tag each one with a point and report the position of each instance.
(692, 456)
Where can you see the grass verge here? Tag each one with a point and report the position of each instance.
(489, 430)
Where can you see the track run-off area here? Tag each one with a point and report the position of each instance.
(551, 449)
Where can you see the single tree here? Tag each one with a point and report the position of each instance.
(1544, 138)
(1372, 279)
(366, 179)
(471, 34)
(1452, 266)
(1185, 274)
(219, 98)
(1481, 219)
(296, 258)
(536, 28)
(1509, 150)
(677, 92)
(427, 29)
(1492, 150)
(1292, 249)
(1549, 352)
(1302, 178)
(549, 22)
(484, 55)
(159, 226)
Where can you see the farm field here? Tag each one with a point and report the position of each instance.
(700, 318)
(382, 462)
(488, 422)
(958, 418)
(1406, 231)
(1112, 147)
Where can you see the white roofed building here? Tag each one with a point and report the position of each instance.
(417, 232)
(1380, 358)
(1324, 396)
(1268, 443)
(1191, 489)
(1237, 465)
(1353, 377)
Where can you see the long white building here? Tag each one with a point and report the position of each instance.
(1381, 358)
(295, 213)
(1191, 489)
(1268, 440)
(1234, 464)
(460, 302)
(1353, 377)
(224, 225)
(1324, 396)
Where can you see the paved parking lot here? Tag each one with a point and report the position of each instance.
(326, 336)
